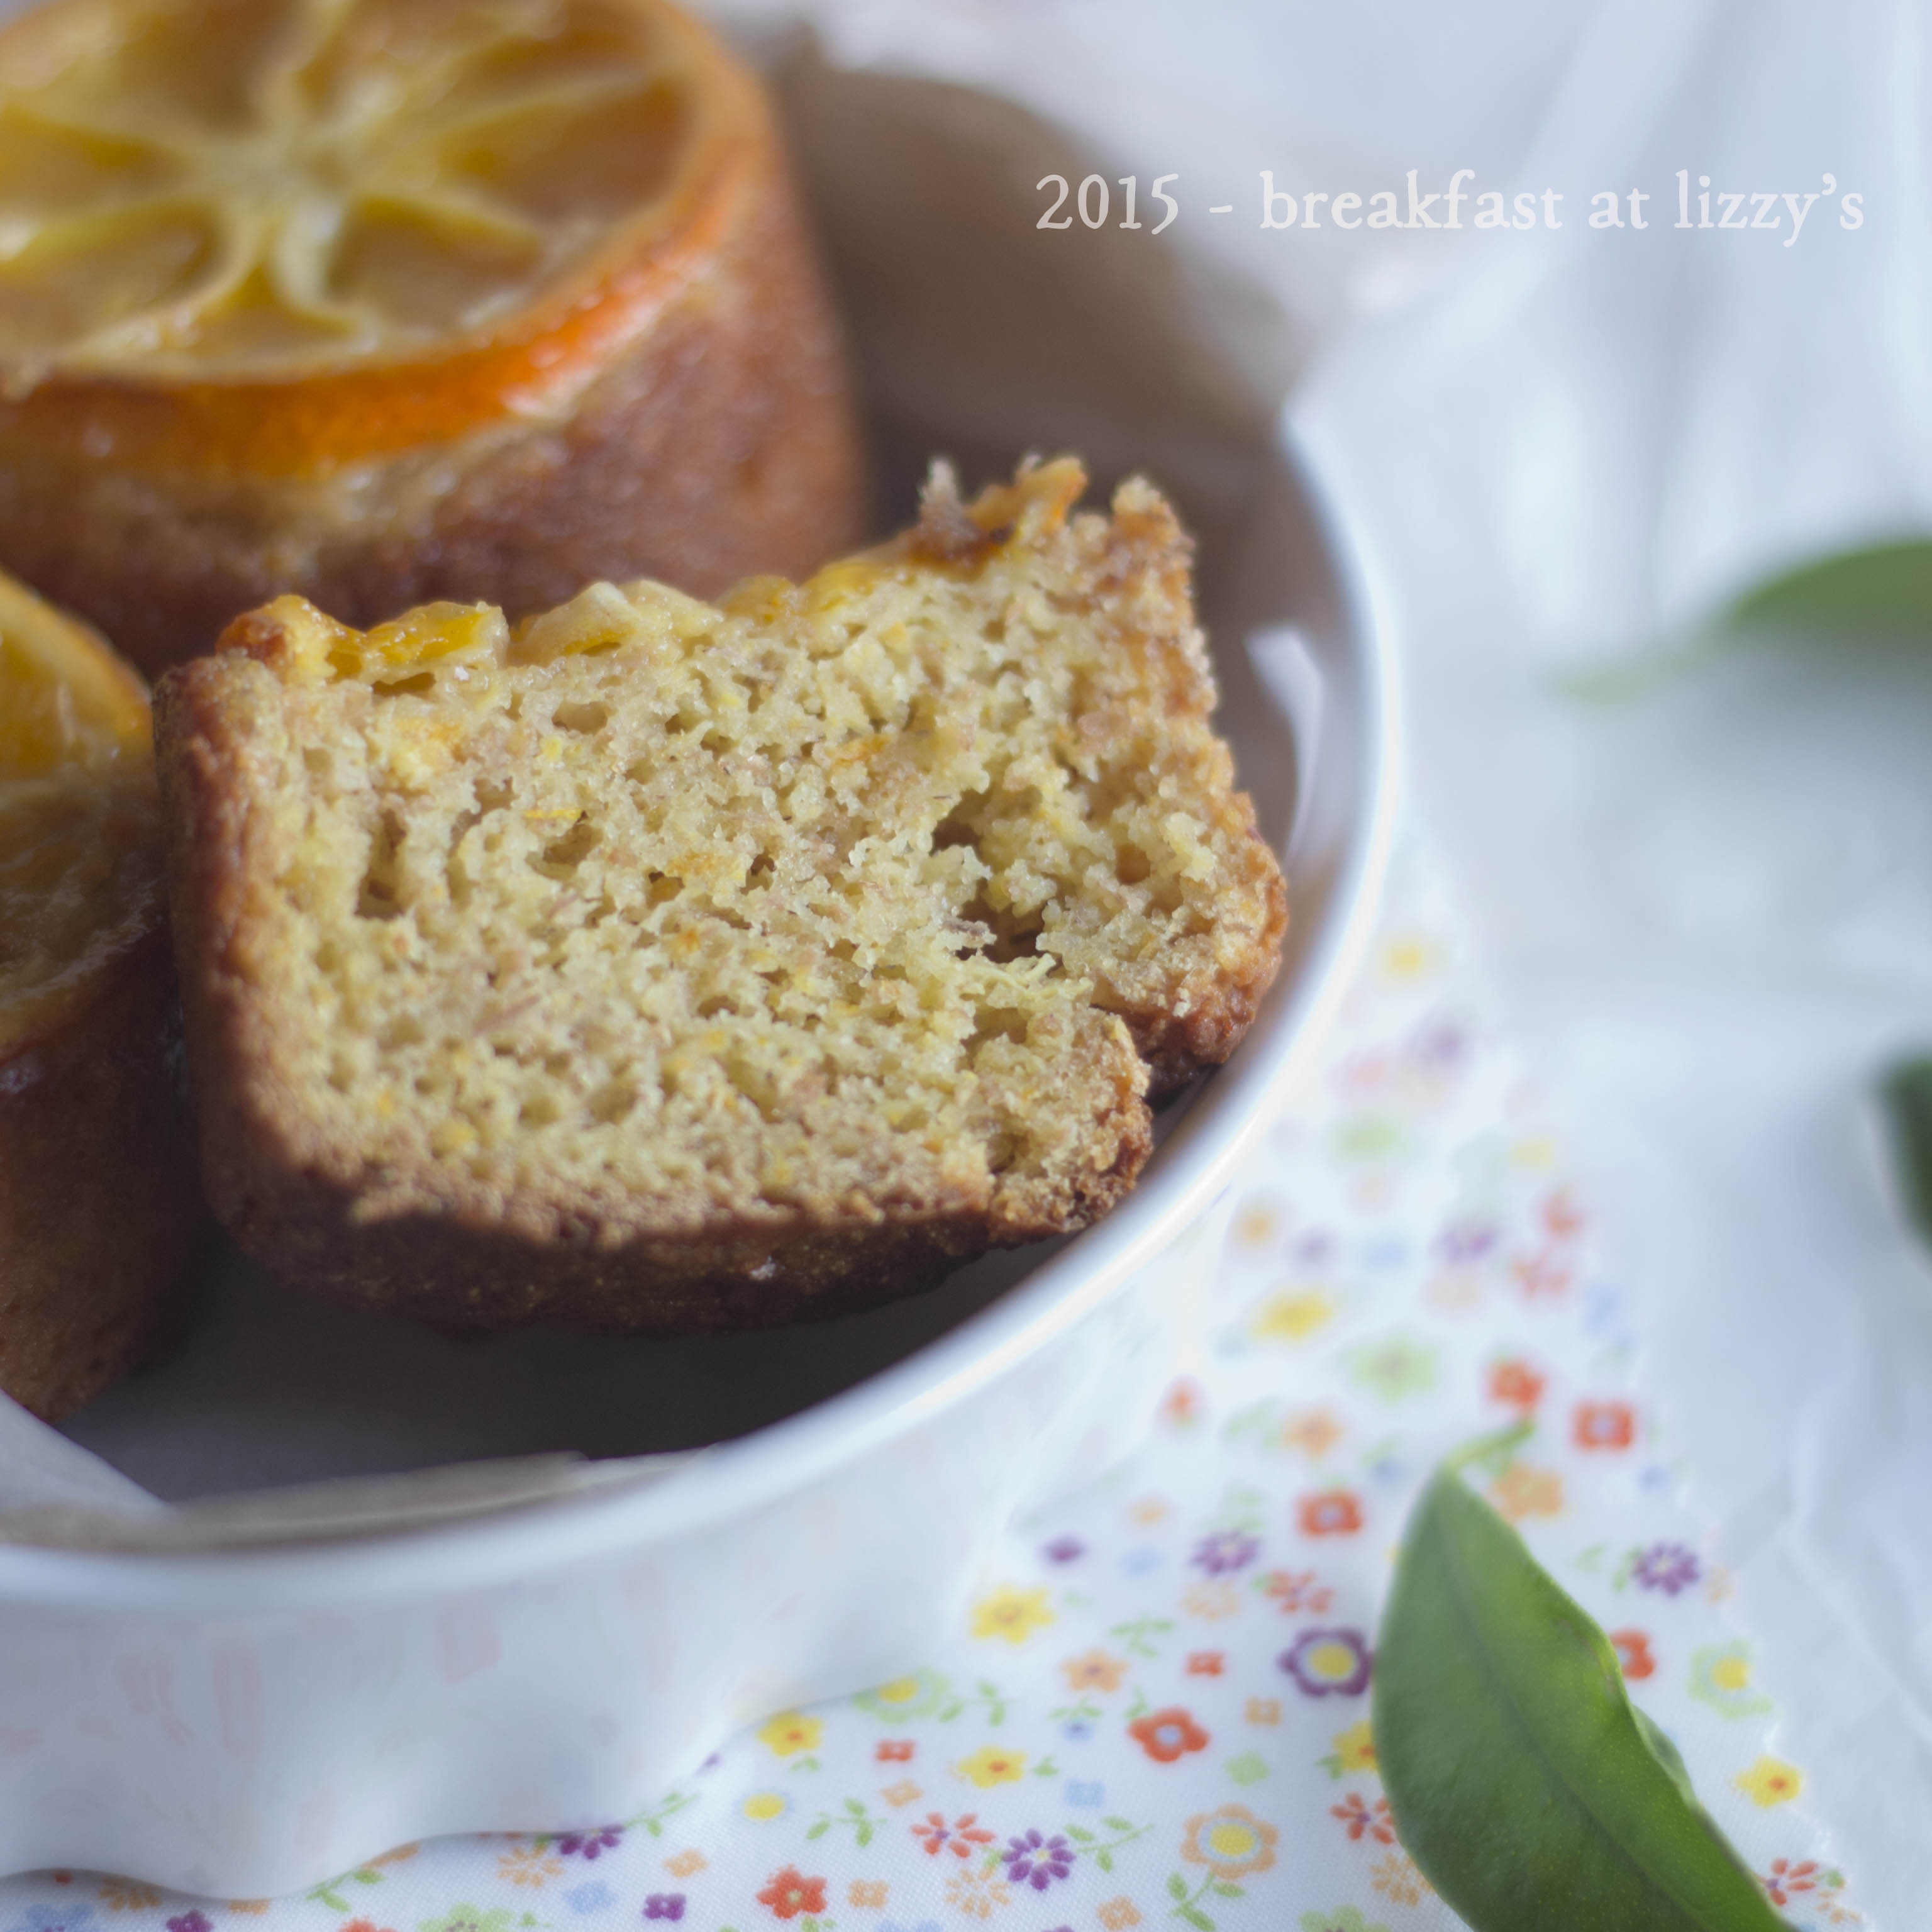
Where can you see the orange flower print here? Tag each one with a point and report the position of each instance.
(1395, 1877)
(1232, 1843)
(1205, 1663)
(789, 1894)
(128, 1895)
(1117, 1914)
(1540, 1274)
(894, 1750)
(1294, 1591)
(903, 1792)
(1603, 1425)
(1314, 1432)
(1333, 1513)
(528, 1865)
(1183, 1403)
(959, 1837)
(977, 1894)
(1515, 1385)
(683, 1865)
(1213, 1598)
(1633, 1650)
(1521, 1493)
(1562, 1219)
(869, 1894)
(1263, 1711)
(1786, 1881)
(1361, 1818)
(1096, 1670)
(1167, 1735)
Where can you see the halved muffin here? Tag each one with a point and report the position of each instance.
(661, 965)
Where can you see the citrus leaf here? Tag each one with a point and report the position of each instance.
(1907, 1094)
(1881, 587)
(1522, 1781)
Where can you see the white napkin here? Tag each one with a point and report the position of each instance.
(1711, 898)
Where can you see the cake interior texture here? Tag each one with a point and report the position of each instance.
(708, 964)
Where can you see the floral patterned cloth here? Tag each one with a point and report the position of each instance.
(1155, 1713)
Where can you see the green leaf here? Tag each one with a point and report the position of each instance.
(1177, 1885)
(1196, 1917)
(1881, 593)
(819, 1830)
(1079, 1837)
(1118, 1824)
(1884, 586)
(1105, 1860)
(1522, 1781)
(1906, 1092)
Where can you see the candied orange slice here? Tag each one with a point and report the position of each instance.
(79, 830)
(274, 236)
(65, 699)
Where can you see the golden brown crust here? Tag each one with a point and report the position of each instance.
(101, 1216)
(722, 441)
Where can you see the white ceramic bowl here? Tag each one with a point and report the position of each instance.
(247, 1720)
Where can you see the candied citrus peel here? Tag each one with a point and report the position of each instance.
(285, 234)
(65, 698)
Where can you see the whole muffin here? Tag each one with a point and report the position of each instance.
(399, 301)
(100, 1205)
